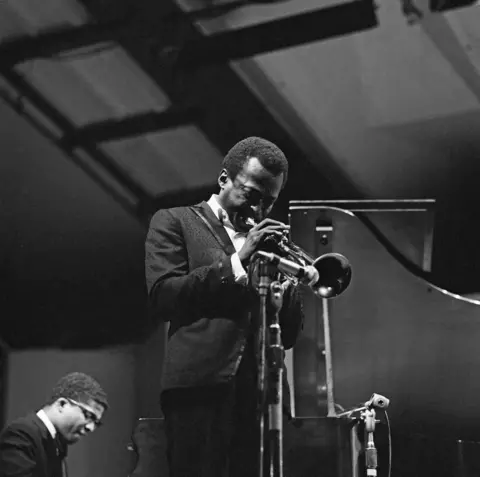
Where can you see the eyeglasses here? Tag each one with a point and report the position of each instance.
(87, 413)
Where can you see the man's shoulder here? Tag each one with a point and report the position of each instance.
(175, 212)
(28, 421)
(28, 424)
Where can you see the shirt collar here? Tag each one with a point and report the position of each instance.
(215, 206)
(42, 415)
(219, 212)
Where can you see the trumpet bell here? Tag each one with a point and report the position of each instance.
(335, 275)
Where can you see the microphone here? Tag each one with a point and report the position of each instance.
(377, 400)
(307, 275)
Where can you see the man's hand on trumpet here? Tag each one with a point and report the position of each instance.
(257, 234)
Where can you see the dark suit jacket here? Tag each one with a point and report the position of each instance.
(191, 285)
(27, 449)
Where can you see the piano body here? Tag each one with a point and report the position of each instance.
(391, 332)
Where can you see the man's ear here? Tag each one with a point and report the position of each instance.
(223, 178)
(61, 402)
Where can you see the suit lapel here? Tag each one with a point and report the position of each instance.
(53, 461)
(51, 447)
(215, 227)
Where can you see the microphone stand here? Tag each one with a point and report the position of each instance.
(370, 450)
(270, 369)
(368, 415)
(275, 383)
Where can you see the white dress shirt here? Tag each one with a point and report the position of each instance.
(51, 428)
(237, 238)
(48, 423)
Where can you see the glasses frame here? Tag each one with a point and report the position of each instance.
(88, 414)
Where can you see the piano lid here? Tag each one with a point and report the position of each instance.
(396, 334)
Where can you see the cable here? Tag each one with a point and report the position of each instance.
(389, 444)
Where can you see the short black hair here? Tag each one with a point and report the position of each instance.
(80, 387)
(269, 155)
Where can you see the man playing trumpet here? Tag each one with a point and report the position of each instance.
(196, 272)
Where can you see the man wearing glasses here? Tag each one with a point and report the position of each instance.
(36, 445)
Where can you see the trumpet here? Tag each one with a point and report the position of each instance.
(334, 269)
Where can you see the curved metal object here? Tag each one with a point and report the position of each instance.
(335, 275)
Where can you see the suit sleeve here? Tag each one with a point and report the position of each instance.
(17, 457)
(174, 289)
(291, 316)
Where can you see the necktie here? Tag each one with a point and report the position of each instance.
(61, 446)
(223, 216)
(62, 450)
(238, 240)
(226, 222)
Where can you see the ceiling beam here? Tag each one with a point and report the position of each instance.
(295, 30)
(265, 37)
(57, 40)
(134, 125)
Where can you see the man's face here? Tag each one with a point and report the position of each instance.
(78, 419)
(254, 191)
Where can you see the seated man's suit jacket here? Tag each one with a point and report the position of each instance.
(191, 285)
(27, 449)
